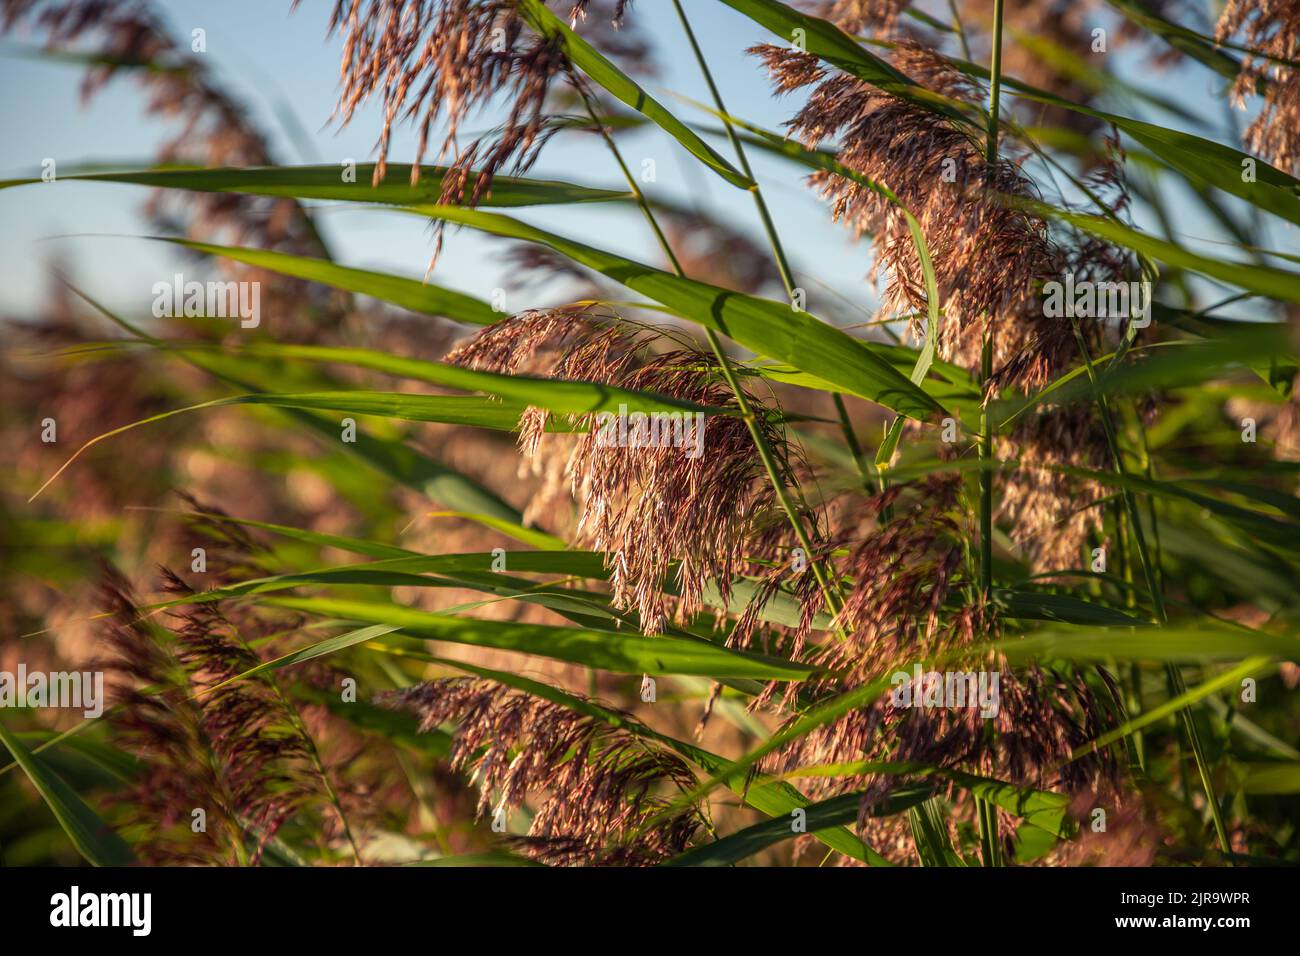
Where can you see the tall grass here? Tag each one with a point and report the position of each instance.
(681, 566)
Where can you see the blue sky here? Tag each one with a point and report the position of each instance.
(277, 63)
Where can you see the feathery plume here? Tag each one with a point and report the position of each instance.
(444, 59)
(694, 505)
(989, 257)
(905, 607)
(215, 129)
(1273, 28)
(1053, 515)
(230, 752)
(436, 59)
(856, 16)
(441, 60)
(597, 785)
(1131, 836)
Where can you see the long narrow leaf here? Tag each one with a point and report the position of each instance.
(621, 86)
(621, 653)
(768, 328)
(329, 182)
(93, 838)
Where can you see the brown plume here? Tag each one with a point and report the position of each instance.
(652, 510)
(597, 787)
(1273, 28)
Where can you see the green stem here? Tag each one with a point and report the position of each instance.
(769, 226)
(1134, 703)
(778, 251)
(851, 440)
(995, 86)
(1176, 683)
(986, 816)
(986, 350)
(961, 33)
(986, 473)
(314, 755)
(830, 591)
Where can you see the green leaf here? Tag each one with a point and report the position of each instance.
(622, 653)
(466, 570)
(1076, 67)
(1191, 644)
(473, 572)
(319, 649)
(1254, 666)
(1163, 365)
(1041, 606)
(373, 549)
(1252, 573)
(1180, 38)
(837, 811)
(392, 459)
(404, 406)
(1202, 161)
(1272, 778)
(828, 42)
(1041, 808)
(326, 182)
(821, 714)
(1275, 283)
(555, 395)
(769, 328)
(930, 834)
(775, 798)
(1278, 533)
(410, 294)
(116, 765)
(533, 537)
(450, 409)
(1185, 643)
(496, 859)
(820, 159)
(619, 85)
(92, 837)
